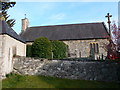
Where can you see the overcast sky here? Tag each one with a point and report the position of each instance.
(56, 13)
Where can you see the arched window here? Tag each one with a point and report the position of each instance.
(95, 47)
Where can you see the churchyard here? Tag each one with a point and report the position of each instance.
(56, 69)
(59, 56)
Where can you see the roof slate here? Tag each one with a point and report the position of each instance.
(5, 29)
(66, 32)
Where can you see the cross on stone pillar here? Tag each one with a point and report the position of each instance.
(108, 16)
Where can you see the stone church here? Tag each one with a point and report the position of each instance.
(80, 38)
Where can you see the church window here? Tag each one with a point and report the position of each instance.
(95, 47)
(90, 46)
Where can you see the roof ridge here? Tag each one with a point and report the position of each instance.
(65, 24)
(68, 32)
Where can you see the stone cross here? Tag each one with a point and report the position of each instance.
(108, 16)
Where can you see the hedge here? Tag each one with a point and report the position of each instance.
(42, 48)
(59, 49)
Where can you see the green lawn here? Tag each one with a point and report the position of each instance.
(18, 81)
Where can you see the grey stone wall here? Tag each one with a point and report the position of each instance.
(81, 48)
(83, 70)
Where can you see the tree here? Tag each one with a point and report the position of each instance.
(42, 48)
(59, 49)
(113, 47)
(4, 9)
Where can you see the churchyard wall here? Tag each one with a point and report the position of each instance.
(71, 69)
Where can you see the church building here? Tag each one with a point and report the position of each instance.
(80, 38)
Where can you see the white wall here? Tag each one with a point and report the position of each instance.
(1, 55)
(8, 46)
(0, 46)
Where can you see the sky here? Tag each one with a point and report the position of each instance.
(119, 14)
(57, 13)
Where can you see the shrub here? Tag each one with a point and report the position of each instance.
(29, 51)
(59, 49)
(42, 48)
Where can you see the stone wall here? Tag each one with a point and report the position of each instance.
(81, 48)
(83, 70)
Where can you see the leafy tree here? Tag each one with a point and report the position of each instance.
(113, 47)
(42, 48)
(4, 6)
(59, 49)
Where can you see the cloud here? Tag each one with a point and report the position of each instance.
(58, 16)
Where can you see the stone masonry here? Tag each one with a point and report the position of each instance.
(71, 69)
(81, 48)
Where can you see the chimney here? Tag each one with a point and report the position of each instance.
(25, 24)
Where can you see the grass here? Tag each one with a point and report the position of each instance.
(20, 81)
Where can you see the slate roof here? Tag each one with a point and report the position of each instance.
(5, 29)
(66, 32)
